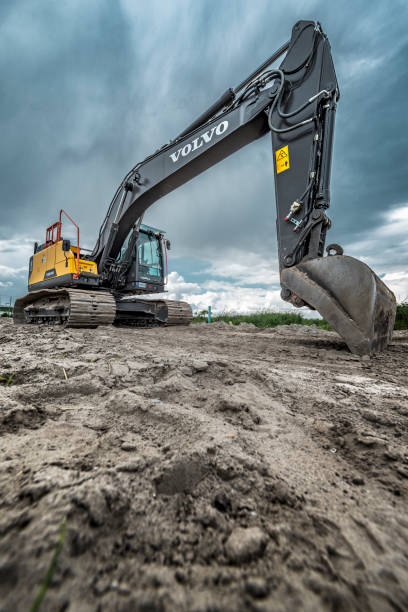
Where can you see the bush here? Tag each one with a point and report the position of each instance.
(401, 320)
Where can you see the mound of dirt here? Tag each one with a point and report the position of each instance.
(210, 468)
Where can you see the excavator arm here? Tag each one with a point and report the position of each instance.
(297, 104)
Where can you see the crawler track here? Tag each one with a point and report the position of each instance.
(81, 308)
(178, 313)
(66, 307)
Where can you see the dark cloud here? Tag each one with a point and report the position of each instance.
(90, 88)
(60, 116)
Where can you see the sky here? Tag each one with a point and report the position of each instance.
(91, 88)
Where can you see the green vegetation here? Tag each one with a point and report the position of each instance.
(401, 320)
(50, 571)
(263, 319)
(8, 380)
(6, 311)
(272, 319)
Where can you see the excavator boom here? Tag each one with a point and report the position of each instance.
(296, 103)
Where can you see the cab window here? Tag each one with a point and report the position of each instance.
(149, 257)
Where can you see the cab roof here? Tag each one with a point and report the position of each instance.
(148, 229)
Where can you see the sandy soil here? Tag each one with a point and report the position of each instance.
(209, 468)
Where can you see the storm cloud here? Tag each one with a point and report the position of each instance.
(89, 89)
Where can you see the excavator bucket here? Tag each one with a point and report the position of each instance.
(350, 296)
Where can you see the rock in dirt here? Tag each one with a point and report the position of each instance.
(371, 441)
(186, 371)
(376, 417)
(245, 544)
(230, 402)
(181, 477)
(123, 402)
(209, 517)
(128, 447)
(358, 481)
(199, 366)
(257, 587)
(93, 502)
(131, 466)
(222, 502)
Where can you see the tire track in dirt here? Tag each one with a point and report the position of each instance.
(202, 469)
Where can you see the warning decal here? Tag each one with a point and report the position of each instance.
(282, 159)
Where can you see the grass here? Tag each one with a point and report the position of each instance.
(50, 571)
(272, 319)
(264, 319)
(8, 380)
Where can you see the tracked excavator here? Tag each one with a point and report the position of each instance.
(296, 104)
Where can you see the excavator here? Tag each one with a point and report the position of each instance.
(296, 103)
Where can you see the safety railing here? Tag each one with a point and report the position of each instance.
(53, 235)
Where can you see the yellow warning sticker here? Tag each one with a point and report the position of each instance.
(282, 159)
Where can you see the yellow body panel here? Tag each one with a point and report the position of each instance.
(53, 262)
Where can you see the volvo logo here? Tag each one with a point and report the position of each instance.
(198, 142)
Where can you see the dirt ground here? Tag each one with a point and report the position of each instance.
(203, 469)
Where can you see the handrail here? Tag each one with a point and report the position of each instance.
(49, 234)
(75, 276)
(167, 269)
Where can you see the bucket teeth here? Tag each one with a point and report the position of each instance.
(350, 296)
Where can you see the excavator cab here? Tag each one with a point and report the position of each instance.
(147, 262)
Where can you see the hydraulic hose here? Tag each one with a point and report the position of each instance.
(276, 101)
(303, 106)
